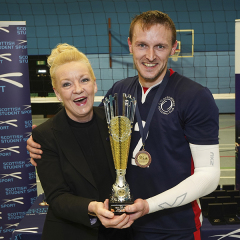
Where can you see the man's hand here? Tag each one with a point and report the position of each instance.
(107, 218)
(34, 149)
(138, 209)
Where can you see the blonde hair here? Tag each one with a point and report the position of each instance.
(65, 53)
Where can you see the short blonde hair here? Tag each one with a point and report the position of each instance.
(65, 53)
(150, 18)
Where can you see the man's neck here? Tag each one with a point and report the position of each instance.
(149, 83)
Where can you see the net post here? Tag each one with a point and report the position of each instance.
(110, 42)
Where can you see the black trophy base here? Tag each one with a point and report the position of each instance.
(118, 207)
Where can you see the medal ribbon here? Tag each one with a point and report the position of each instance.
(158, 94)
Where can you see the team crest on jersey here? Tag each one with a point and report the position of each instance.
(166, 105)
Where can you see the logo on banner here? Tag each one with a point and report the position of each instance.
(28, 164)
(27, 230)
(21, 30)
(7, 45)
(12, 175)
(9, 177)
(12, 139)
(14, 74)
(26, 109)
(4, 57)
(31, 175)
(33, 200)
(14, 200)
(11, 203)
(13, 165)
(17, 193)
(5, 30)
(16, 215)
(22, 41)
(28, 124)
(9, 122)
(39, 211)
(10, 111)
(1, 237)
(28, 134)
(19, 46)
(33, 184)
(23, 59)
(15, 111)
(12, 225)
(15, 190)
(9, 149)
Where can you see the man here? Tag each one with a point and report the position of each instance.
(175, 132)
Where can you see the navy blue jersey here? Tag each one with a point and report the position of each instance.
(186, 113)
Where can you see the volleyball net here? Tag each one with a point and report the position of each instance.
(205, 51)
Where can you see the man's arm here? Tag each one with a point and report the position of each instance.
(34, 150)
(204, 180)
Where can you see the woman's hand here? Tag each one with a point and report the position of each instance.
(107, 218)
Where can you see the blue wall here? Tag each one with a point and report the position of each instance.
(84, 24)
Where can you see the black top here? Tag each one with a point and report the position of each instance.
(89, 140)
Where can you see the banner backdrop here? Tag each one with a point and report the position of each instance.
(18, 189)
(237, 99)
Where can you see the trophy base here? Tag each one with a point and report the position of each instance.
(118, 207)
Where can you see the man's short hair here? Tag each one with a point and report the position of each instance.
(150, 18)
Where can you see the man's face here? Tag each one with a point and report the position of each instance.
(151, 49)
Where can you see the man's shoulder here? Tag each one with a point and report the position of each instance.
(183, 79)
(126, 82)
(184, 83)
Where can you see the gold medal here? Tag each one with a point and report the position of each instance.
(143, 159)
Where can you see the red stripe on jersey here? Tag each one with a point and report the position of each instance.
(197, 235)
(195, 207)
(145, 89)
(171, 72)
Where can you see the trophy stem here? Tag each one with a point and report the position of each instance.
(120, 189)
(120, 178)
(120, 196)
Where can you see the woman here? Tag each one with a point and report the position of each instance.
(76, 169)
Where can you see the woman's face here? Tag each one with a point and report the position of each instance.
(76, 89)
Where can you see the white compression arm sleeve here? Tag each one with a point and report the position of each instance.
(204, 180)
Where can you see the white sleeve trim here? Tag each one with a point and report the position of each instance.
(204, 180)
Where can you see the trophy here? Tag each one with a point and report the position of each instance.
(120, 127)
